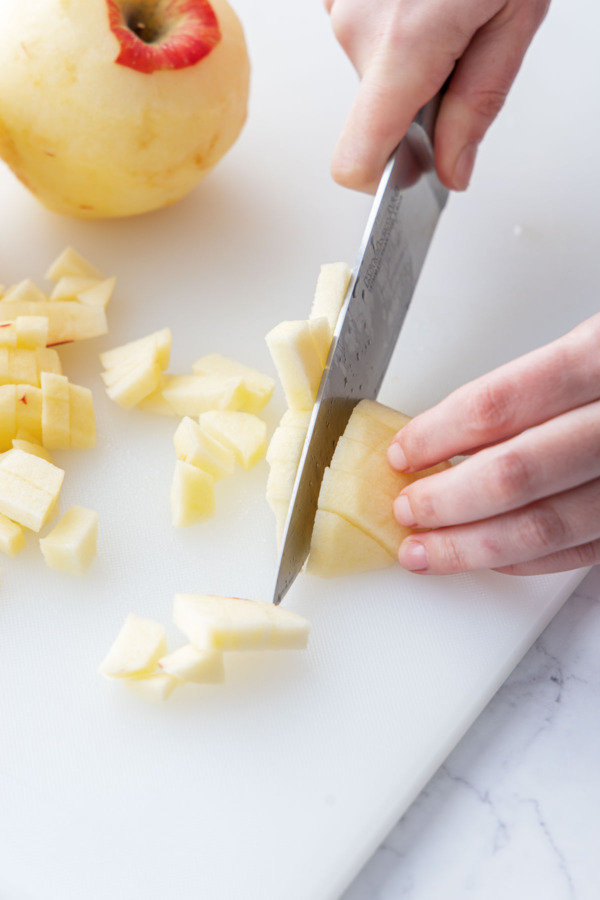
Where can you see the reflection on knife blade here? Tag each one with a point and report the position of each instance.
(399, 231)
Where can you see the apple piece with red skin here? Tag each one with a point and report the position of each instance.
(116, 107)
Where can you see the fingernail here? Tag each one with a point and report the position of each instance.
(403, 512)
(396, 457)
(464, 166)
(413, 556)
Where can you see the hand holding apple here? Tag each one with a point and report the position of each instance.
(113, 108)
(527, 499)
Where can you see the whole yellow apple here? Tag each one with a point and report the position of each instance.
(117, 107)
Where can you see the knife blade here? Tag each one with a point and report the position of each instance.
(400, 227)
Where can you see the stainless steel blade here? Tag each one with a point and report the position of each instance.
(401, 224)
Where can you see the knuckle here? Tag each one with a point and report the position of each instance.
(414, 443)
(490, 407)
(511, 479)
(451, 554)
(586, 554)
(543, 530)
(423, 505)
(486, 103)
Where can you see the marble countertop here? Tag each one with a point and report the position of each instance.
(513, 812)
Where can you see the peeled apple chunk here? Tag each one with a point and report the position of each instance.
(231, 623)
(29, 488)
(136, 650)
(71, 545)
(283, 455)
(258, 387)
(71, 264)
(198, 666)
(340, 548)
(192, 495)
(244, 434)
(358, 489)
(158, 343)
(156, 687)
(299, 351)
(199, 449)
(190, 395)
(12, 537)
(330, 292)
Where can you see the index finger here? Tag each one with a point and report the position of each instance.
(523, 393)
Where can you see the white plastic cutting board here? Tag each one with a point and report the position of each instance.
(282, 782)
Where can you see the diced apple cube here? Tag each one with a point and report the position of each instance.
(286, 444)
(71, 545)
(199, 449)
(330, 292)
(281, 478)
(198, 666)
(22, 366)
(33, 469)
(298, 358)
(31, 332)
(190, 395)
(280, 509)
(259, 387)
(192, 495)
(31, 447)
(24, 292)
(8, 414)
(232, 623)
(131, 380)
(296, 418)
(71, 263)
(98, 294)
(354, 498)
(138, 647)
(82, 422)
(47, 360)
(385, 415)
(370, 463)
(340, 548)
(156, 402)
(321, 335)
(55, 411)
(12, 538)
(29, 488)
(244, 433)
(68, 287)
(29, 410)
(156, 687)
(8, 333)
(368, 430)
(158, 342)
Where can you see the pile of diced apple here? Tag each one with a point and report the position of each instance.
(217, 405)
(213, 626)
(41, 410)
(354, 529)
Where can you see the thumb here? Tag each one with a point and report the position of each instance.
(376, 123)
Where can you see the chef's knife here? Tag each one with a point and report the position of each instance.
(399, 230)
